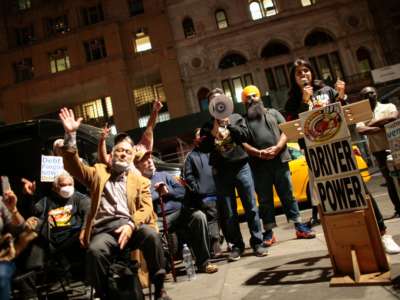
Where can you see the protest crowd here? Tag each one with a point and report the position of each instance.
(132, 215)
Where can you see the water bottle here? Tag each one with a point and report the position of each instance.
(188, 262)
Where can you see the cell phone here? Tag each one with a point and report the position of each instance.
(5, 184)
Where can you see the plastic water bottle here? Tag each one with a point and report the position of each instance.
(188, 262)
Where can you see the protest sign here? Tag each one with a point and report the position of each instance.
(329, 154)
(51, 167)
(393, 136)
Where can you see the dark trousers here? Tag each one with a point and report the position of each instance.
(210, 209)
(391, 187)
(104, 246)
(193, 225)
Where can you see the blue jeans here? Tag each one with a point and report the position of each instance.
(6, 272)
(271, 173)
(226, 180)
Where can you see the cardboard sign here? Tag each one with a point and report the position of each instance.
(51, 167)
(393, 136)
(337, 181)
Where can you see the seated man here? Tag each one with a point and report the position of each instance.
(121, 211)
(172, 194)
(59, 219)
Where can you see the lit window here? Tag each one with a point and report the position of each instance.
(255, 10)
(95, 49)
(144, 98)
(269, 8)
(222, 20)
(23, 70)
(24, 4)
(96, 112)
(188, 27)
(233, 87)
(142, 42)
(109, 108)
(308, 2)
(57, 25)
(59, 61)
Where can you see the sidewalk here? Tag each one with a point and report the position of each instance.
(294, 269)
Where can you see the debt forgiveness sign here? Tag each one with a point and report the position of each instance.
(51, 167)
(329, 154)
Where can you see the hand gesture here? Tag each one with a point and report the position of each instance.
(157, 105)
(29, 187)
(67, 118)
(8, 253)
(340, 87)
(105, 132)
(125, 233)
(308, 92)
(31, 223)
(161, 188)
(10, 200)
(271, 152)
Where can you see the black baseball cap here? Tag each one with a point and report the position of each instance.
(121, 137)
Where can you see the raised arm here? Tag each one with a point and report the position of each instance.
(102, 155)
(72, 162)
(147, 138)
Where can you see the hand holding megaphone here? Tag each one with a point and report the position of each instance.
(220, 107)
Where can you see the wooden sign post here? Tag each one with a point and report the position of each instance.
(350, 228)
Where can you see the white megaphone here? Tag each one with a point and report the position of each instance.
(220, 107)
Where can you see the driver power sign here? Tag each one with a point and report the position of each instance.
(329, 154)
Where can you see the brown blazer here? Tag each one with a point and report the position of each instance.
(140, 203)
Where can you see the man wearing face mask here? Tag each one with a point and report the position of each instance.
(378, 143)
(269, 159)
(121, 213)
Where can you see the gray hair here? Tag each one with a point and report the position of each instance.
(64, 174)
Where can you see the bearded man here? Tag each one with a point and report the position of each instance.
(269, 162)
(121, 212)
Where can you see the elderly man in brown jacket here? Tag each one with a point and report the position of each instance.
(121, 210)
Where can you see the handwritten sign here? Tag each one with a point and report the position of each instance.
(51, 167)
(393, 136)
(329, 154)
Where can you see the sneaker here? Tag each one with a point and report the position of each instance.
(235, 254)
(260, 251)
(303, 231)
(390, 245)
(162, 295)
(208, 268)
(313, 222)
(269, 238)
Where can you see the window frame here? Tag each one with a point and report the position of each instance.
(223, 20)
(56, 56)
(90, 46)
(143, 35)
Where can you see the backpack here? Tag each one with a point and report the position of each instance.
(123, 281)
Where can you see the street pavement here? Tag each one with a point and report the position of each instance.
(294, 269)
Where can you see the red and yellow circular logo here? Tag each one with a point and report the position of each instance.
(321, 126)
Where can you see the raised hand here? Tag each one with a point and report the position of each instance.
(105, 132)
(340, 87)
(308, 91)
(157, 105)
(29, 187)
(10, 200)
(68, 120)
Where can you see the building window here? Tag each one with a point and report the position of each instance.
(232, 60)
(278, 85)
(142, 41)
(233, 87)
(92, 14)
(188, 27)
(273, 49)
(24, 35)
(364, 60)
(144, 98)
(221, 19)
(262, 8)
(317, 38)
(136, 7)
(328, 67)
(57, 25)
(24, 4)
(96, 112)
(23, 70)
(202, 98)
(59, 61)
(308, 2)
(95, 49)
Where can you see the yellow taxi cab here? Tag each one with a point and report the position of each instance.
(299, 173)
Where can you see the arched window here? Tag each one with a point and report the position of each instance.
(232, 60)
(274, 48)
(317, 37)
(202, 98)
(364, 60)
(255, 10)
(221, 19)
(262, 8)
(188, 27)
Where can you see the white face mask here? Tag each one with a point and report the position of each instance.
(148, 173)
(120, 166)
(66, 191)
